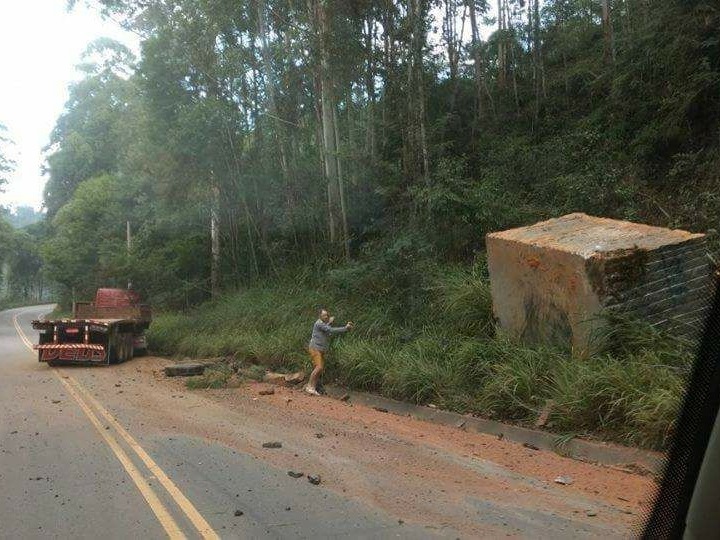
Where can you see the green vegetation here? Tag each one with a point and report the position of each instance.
(446, 354)
(214, 377)
(287, 132)
(269, 155)
(22, 279)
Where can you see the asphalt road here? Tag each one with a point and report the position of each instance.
(122, 452)
(61, 478)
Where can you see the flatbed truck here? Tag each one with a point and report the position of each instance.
(109, 330)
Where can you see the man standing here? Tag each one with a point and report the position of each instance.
(319, 343)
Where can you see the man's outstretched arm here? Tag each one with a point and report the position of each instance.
(325, 327)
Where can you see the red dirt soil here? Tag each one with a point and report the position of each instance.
(421, 472)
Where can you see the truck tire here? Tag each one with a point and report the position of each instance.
(114, 348)
(129, 338)
(111, 352)
(122, 349)
(121, 354)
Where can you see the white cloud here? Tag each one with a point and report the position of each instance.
(40, 44)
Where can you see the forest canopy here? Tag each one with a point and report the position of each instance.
(249, 139)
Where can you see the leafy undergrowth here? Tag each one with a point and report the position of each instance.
(445, 351)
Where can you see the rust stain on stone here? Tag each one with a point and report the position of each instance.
(533, 262)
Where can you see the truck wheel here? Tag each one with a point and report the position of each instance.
(129, 346)
(122, 350)
(112, 351)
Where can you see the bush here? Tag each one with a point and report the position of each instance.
(463, 298)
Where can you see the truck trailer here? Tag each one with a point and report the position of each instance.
(109, 330)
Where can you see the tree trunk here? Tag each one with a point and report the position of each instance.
(502, 54)
(389, 64)
(450, 31)
(609, 50)
(480, 83)
(341, 189)
(214, 241)
(370, 150)
(537, 56)
(328, 124)
(416, 78)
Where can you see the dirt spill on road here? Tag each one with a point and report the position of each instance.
(421, 472)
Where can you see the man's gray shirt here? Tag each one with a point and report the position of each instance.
(321, 332)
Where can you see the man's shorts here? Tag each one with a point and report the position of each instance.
(317, 356)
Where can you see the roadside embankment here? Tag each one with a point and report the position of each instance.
(445, 352)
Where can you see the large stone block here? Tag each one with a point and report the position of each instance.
(551, 281)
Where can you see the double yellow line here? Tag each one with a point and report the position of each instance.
(86, 402)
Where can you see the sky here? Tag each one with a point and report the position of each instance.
(40, 45)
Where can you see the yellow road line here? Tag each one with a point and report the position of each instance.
(20, 332)
(202, 526)
(168, 523)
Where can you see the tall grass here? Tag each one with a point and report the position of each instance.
(448, 354)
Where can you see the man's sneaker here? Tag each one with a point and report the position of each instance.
(311, 391)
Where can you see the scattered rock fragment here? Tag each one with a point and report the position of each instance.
(272, 444)
(591, 513)
(319, 435)
(530, 446)
(294, 474)
(295, 378)
(432, 406)
(13, 432)
(287, 508)
(56, 401)
(460, 424)
(274, 378)
(238, 513)
(184, 370)
(118, 385)
(380, 409)
(314, 479)
(542, 419)
(564, 480)
(345, 397)
(501, 436)
(267, 392)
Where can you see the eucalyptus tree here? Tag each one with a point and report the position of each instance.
(7, 164)
(90, 137)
